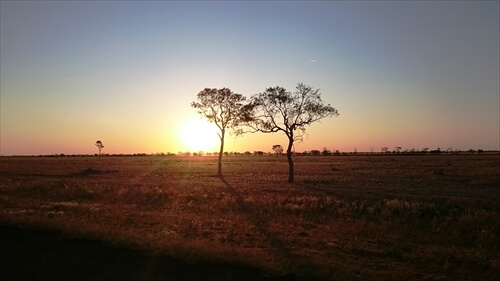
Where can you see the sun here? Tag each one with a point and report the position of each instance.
(199, 135)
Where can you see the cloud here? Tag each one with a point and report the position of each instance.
(311, 60)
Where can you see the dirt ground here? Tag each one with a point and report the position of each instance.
(365, 217)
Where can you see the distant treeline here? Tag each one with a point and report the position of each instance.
(314, 152)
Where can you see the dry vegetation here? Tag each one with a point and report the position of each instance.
(425, 217)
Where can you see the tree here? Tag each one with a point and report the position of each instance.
(225, 109)
(315, 152)
(278, 149)
(276, 110)
(397, 149)
(100, 146)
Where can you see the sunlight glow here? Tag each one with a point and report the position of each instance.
(199, 135)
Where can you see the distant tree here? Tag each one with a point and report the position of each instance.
(437, 151)
(99, 146)
(278, 149)
(276, 110)
(315, 152)
(326, 152)
(397, 149)
(223, 108)
(384, 149)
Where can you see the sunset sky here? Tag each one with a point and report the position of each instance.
(413, 74)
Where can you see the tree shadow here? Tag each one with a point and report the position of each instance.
(299, 265)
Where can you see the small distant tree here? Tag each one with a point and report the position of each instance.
(278, 149)
(99, 146)
(384, 149)
(276, 110)
(223, 108)
(315, 152)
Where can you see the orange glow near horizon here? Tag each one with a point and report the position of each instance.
(131, 84)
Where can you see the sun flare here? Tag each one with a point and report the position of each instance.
(199, 135)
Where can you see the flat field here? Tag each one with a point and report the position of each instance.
(422, 217)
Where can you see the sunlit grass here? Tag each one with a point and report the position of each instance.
(384, 217)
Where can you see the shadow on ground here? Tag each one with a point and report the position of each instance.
(28, 254)
(281, 250)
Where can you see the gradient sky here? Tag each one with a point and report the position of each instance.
(412, 74)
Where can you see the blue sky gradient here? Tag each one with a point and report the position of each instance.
(412, 74)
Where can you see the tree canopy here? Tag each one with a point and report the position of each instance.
(227, 110)
(99, 146)
(277, 109)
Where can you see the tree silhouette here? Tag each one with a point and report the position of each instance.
(278, 149)
(276, 110)
(225, 109)
(100, 146)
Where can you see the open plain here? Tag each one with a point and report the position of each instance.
(364, 217)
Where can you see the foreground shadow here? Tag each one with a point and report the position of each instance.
(28, 254)
(280, 247)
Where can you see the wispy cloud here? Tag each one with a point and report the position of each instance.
(311, 60)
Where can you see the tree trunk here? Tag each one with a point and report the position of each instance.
(290, 160)
(221, 151)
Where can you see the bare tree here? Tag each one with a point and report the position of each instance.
(225, 109)
(278, 149)
(276, 110)
(100, 146)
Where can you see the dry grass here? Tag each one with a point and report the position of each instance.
(433, 217)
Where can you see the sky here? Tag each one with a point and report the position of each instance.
(410, 74)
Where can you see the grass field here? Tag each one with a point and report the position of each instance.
(423, 217)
